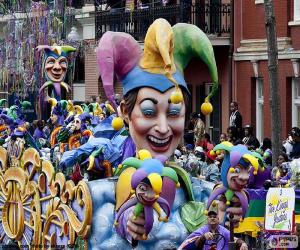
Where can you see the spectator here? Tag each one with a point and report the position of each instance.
(295, 133)
(211, 173)
(236, 119)
(288, 145)
(199, 129)
(280, 160)
(118, 99)
(99, 99)
(207, 144)
(232, 136)
(92, 99)
(206, 237)
(250, 140)
(223, 137)
(189, 134)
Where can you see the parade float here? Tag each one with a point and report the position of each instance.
(93, 176)
(43, 204)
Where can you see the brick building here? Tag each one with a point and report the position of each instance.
(250, 85)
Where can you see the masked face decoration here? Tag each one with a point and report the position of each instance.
(238, 178)
(56, 68)
(77, 123)
(155, 123)
(145, 194)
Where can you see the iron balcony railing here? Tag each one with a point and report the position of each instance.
(211, 18)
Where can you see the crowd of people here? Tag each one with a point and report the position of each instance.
(195, 156)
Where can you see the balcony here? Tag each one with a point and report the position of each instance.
(213, 19)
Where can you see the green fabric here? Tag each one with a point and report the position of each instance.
(184, 176)
(191, 42)
(297, 206)
(256, 208)
(192, 215)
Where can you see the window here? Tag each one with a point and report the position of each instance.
(259, 108)
(296, 102)
(296, 10)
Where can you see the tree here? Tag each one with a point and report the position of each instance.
(273, 78)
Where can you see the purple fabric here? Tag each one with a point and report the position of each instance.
(129, 148)
(257, 181)
(38, 134)
(122, 225)
(189, 243)
(168, 191)
(117, 53)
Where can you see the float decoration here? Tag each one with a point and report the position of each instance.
(50, 210)
(147, 179)
(236, 158)
(55, 66)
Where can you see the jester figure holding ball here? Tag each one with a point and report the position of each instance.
(235, 173)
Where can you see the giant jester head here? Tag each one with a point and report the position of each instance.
(55, 61)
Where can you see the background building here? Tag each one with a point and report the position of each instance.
(250, 72)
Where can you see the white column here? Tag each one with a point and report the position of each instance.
(296, 10)
(87, 20)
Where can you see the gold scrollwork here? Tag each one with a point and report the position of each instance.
(38, 204)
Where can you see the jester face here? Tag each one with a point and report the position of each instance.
(77, 123)
(56, 67)
(53, 118)
(238, 177)
(145, 194)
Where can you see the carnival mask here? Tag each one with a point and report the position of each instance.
(56, 68)
(145, 194)
(238, 177)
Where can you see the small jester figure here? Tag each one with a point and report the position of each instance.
(146, 184)
(235, 176)
(55, 66)
(57, 118)
(74, 133)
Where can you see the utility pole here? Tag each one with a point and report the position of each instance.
(273, 78)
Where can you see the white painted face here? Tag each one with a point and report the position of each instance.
(77, 123)
(155, 123)
(56, 68)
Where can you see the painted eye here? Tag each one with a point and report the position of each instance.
(237, 170)
(143, 188)
(174, 109)
(148, 108)
(174, 112)
(148, 112)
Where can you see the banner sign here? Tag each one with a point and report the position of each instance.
(280, 206)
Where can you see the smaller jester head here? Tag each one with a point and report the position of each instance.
(58, 111)
(56, 62)
(146, 182)
(236, 164)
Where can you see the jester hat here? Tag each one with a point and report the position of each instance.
(167, 52)
(58, 108)
(55, 50)
(234, 156)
